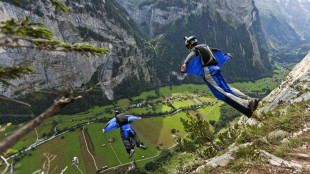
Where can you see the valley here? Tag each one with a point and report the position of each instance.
(160, 109)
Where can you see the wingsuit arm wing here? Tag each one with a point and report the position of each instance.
(111, 125)
(221, 57)
(195, 67)
(131, 118)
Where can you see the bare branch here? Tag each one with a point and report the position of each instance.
(7, 165)
(15, 137)
(15, 115)
(73, 91)
(43, 92)
(87, 90)
(12, 167)
(14, 101)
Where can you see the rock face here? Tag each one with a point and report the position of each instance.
(152, 16)
(294, 89)
(97, 23)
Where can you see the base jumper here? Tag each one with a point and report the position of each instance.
(206, 62)
(128, 135)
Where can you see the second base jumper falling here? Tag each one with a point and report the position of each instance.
(128, 135)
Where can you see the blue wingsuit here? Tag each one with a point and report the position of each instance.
(128, 135)
(208, 67)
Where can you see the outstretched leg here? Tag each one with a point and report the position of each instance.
(126, 142)
(253, 101)
(138, 142)
(239, 94)
(221, 90)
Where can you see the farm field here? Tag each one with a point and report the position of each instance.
(157, 130)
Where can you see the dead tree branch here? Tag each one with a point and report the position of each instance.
(7, 165)
(15, 137)
(16, 115)
(14, 101)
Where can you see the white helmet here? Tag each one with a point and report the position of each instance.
(190, 40)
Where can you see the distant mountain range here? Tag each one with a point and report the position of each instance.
(285, 22)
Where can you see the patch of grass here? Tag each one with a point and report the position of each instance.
(72, 148)
(163, 108)
(53, 147)
(183, 104)
(273, 139)
(174, 90)
(100, 108)
(29, 163)
(31, 137)
(211, 112)
(89, 163)
(123, 102)
(284, 148)
(70, 124)
(246, 152)
(240, 165)
(142, 110)
(251, 134)
(208, 99)
(160, 129)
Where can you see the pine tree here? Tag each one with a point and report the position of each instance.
(200, 139)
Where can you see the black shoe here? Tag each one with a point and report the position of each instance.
(131, 153)
(256, 101)
(253, 104)
(143, 147)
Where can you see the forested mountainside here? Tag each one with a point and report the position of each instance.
(138, 59)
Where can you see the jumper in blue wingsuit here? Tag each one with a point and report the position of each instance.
(128, 135)
(203, 61)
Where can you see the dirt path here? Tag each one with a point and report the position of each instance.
(89, 142)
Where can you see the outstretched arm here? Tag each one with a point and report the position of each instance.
(189, 57)
(110, 126)
(131, 118)
(215, 49)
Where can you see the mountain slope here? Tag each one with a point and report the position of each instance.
(284, 21)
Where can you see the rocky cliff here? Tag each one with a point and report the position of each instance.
(102, 23)
(295, 88)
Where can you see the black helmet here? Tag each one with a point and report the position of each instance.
(116, 113)
(190, 40)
